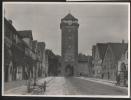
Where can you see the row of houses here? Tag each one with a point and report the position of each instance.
(24, 57)
(110, 60)
(84, 65)
(54, 63)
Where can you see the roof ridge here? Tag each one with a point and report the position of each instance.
(118, 49)
(70, 16)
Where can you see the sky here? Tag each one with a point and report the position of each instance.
(99, 23)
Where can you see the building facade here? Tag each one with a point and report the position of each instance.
(98, 52)
(69, 30)
(123, 68)
(110, 62)
(20, 55)
(85, 65)
(15, 54)
(54, 64)
(42, 64)
(31, 56)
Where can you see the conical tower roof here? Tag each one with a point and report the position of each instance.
(69, 17)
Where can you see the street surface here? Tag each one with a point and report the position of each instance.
(72, 86)
(85, 87)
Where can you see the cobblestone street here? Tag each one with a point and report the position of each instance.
(78, 86)
(71, 86)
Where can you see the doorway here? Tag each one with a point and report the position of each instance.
(69, 70)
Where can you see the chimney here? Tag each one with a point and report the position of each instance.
(10, 21)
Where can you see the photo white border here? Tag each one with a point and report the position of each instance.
(81, 3)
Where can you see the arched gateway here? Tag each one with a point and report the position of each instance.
(69, 29)
(69, 70)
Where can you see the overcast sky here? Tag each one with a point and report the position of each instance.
(98, 22)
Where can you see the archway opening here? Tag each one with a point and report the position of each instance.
(69, 70)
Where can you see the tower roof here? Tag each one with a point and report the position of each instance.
(102, 49)
(69, 16)
(118, 49)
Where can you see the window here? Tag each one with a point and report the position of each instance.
(70, 22)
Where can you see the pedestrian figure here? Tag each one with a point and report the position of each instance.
(108, 75)
(45, 75)
(102, 75)
(44, 86)
(80, 74)
(29, 85)
(118, 79)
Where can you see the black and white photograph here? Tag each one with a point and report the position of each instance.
(98, 0)
(66, 49)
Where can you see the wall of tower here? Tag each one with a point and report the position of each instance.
(69, 47)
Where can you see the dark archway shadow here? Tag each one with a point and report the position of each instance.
(69, 70)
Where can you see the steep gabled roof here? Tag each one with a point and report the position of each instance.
(9, 25)
(26, 34)
(118, 49)
(69, 17)
(34, 44)
(102, 49)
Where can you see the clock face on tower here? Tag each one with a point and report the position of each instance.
(70, 22)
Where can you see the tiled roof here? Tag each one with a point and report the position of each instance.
(69, 17)
(8, 24)
(26, 34)
(102, 49)
(118, 49)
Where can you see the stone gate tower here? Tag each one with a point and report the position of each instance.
(69, 29)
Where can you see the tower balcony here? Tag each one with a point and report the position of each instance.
(66, 25)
